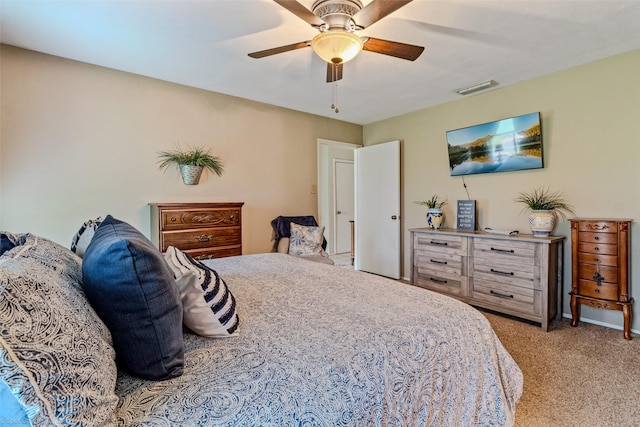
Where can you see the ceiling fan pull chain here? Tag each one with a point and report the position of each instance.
(334, 105)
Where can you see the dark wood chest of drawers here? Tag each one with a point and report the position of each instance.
(204, 230)
(600, 253)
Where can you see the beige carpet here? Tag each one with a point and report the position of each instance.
(584, 376)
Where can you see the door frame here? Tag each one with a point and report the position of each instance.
(325, 191)
(335, 200)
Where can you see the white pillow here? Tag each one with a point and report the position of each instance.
(305, 240)
(209, 308)
(83, 237)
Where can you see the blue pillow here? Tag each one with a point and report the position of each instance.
(6, 243)
(132, 289)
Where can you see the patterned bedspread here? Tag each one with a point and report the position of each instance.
(322, 345)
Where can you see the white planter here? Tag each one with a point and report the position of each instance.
(191, 174)
(435, 218)
(541, 223)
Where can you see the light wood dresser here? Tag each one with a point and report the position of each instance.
(203, 230)
(516, 275)
(600, 253)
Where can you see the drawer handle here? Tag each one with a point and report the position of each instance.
(598, 277)
(509, 251)
(499, 295)
(435, 242)
(435, 261)
(203, 238)
(596, 238)
(201, 257)
(437, 280)
(597, 249)
(173, 219)
(504, 273)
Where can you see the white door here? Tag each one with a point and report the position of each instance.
(377, 223)
(344, 203)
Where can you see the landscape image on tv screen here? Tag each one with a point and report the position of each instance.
(501, 146)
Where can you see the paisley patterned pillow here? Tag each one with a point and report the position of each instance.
(305, 241)
(56, 356)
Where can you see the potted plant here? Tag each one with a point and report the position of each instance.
(191, 162)
(544, 206)
(435, 217)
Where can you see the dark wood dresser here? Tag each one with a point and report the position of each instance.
(204, 230)
(600, 254)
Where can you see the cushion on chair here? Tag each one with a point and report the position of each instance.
(282, 225)
(305, 241)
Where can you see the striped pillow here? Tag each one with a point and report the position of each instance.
(82, 238)
(209, 308)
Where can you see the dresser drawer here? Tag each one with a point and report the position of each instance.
(445, 244)
(199, 238)
(604, 291)
(588, 237)
(586, 258)
(438, 262)
(439, 281)
(206, 218)
(598, 226)
(509, 273)
(588, 271)
(505, 251)
(512, 298)
(210, 253)
(597, 248)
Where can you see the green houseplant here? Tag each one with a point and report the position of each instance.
(191, 162)
(544, 205)
(435, 216)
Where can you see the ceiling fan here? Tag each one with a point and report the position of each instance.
(337, 21)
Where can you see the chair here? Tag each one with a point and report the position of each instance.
(282, 233)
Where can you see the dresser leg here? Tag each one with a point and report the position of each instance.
(626, 312)
(575, 311)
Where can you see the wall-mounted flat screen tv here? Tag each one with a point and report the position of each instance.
(501, 146)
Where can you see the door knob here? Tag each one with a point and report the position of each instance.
(394, 217)
(339, 212)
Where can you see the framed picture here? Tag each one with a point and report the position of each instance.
(466, 219)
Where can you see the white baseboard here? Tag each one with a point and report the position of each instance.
(597, 322)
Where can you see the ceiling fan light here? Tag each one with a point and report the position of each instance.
(337, 46)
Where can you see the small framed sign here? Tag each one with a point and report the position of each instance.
(466, 215)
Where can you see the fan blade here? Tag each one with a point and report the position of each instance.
(281, 49)
(301, 12)
(334, 72)
(376, 10)
(399, 50)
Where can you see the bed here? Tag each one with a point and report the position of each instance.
(316, 345)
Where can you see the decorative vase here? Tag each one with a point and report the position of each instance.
(191, 174)
(435, 218)
(542, 222)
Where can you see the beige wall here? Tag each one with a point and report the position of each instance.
(78, 141)
(591, 143)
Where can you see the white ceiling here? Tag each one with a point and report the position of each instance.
(205, 43)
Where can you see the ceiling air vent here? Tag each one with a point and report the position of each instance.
(476, 87)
